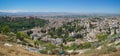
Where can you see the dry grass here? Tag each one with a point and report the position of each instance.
(97, 53)
(17, 51)
(14, 50)
(2, 37)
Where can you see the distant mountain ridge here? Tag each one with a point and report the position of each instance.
(53, 14)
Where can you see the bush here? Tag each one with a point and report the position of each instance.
(87, 45)
(73, 47)
(81, 46)
(101, 37)
(22, 36)
(118, 44)
(70, 39)
(36, 43)
(43, 51)
(107, 50)
(50, 46)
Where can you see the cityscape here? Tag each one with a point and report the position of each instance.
(59, 28)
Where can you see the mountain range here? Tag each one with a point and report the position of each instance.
(53, 14)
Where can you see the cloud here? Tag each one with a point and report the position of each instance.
(13, 11)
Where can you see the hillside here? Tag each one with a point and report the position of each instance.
(77, 37)
(14, 49)
(21, 23)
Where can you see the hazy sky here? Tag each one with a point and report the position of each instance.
(77, 6)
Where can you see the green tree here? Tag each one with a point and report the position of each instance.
(21, 36)
(5, 29)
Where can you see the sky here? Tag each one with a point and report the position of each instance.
(75, 6)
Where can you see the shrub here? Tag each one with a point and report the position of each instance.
(108, 50)
(43, 51)
(87, 45)
(70, 39)
(101, 37)
(73, 47)
(118, 44)
(50, 46)
(105, 50)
